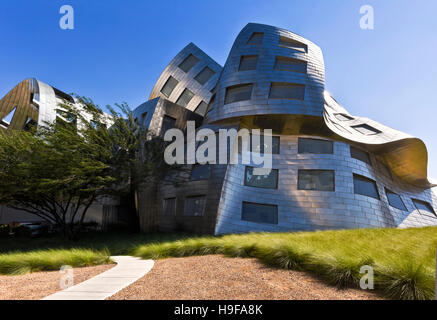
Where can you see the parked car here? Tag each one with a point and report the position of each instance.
(33, 228)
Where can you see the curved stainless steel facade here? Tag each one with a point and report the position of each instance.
(264, 74)
(186, 80)
(397, 161)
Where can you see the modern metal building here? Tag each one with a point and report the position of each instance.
(33, 102)
(331, 170)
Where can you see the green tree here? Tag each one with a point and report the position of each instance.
(57, 171)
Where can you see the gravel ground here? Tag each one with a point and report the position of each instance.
(217, 277)
(34, 286)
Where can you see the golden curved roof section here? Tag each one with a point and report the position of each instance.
(406, 155)
(20, 99)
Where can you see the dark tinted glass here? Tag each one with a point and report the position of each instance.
(262, 213)
(256, 38)
(343, 117)
(268, 180)
(289, 64)
(292, 44)
(248, 63)
(395, 200)
(366, 129)
(204, 75)
(185, 98)
(282, 90)
(423, 205)
(188, 63)
(169, 86)
(194, 206)
(201, 108)
(321, 180)
(365, 186)
(360, 155)
(170, 206)
(238, 93)
(307, 145)
(258, 145)
(200, 172)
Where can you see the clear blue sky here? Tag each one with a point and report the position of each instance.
(119, 48)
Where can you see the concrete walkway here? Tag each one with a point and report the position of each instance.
(128, 270)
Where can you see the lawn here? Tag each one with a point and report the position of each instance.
(403, 260)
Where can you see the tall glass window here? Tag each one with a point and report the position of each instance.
(185, 98)
(169, 206)
(169, 86)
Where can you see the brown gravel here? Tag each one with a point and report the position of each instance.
(34, 286)
(216, 277)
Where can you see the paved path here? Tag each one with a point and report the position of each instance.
(128, 270)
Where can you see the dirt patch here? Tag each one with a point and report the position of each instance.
(217, 277)
(34, 286)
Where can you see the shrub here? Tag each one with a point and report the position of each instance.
(4, 231)
(22, 231)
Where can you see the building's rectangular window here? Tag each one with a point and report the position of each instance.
(201, 108)
(169, 206)
(256, 39)
(423, 206)
(360, 155)
(167, 124)
(248, 63)
(185, 98)
(169, 86)
(366, 129)
(365, 186)
(283, 90)
(320, 180)
(395, 200)
(143, 118)
(292, 44)
(258, 145)
(200, 172)
(239, 92)
(269, 180)
(188, 63)
(317, 146)
(343, 117)
(289, 64)
(194, 206)
(258, 212)
(204, 75)
(6, 121)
